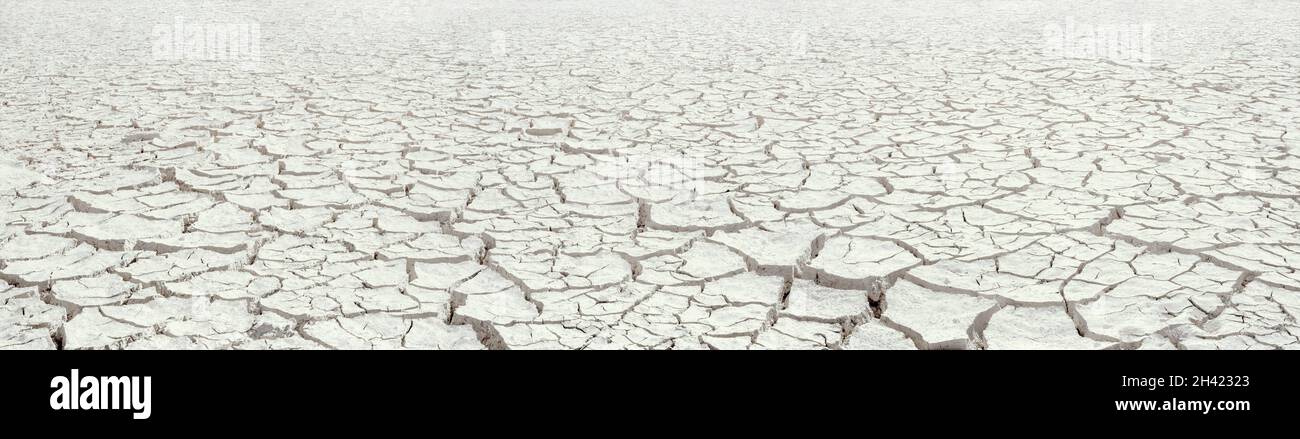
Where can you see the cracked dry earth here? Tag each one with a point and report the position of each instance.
(857, 175)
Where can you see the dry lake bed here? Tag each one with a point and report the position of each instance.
(649, 175)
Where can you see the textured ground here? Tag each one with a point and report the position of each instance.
(416, 174)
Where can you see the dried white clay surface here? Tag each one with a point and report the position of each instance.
(649, 175)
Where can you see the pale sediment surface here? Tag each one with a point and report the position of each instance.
(857, 175)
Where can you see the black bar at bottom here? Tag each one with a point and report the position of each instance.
(326, 390)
